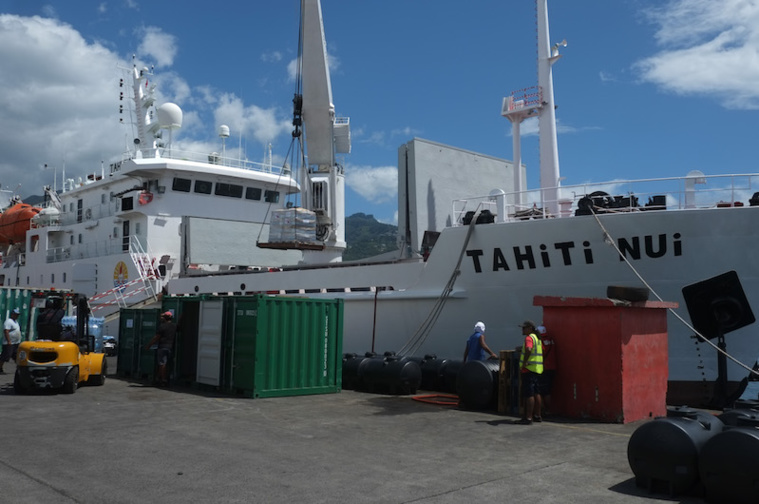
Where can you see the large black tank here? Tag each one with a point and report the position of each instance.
(733, 417)
(351, 364)
(477, 384)
(390, 375)
(449, 371)
(729, 463)
(430, 365)
(663, 453)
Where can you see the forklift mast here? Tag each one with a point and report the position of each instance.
(84, 340)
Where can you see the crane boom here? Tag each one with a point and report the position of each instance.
(323, 179)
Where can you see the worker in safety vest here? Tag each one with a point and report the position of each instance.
(531, 366)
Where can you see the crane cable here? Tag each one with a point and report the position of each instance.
(297, 132)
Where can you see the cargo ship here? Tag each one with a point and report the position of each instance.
(469, 247)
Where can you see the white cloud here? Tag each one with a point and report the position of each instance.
(408, 131)
(708, 48)
(252, 121)
(292, 70)
(271, 57)
(376, 184)
(160, 46)
(49, 11)
(59, 102)
(376, 138)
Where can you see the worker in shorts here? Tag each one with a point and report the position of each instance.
(165, 337)
(531, 367)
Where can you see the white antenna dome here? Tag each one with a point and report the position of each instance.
(224, 131)
(170, 116)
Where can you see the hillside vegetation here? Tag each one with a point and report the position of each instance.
(367, 237)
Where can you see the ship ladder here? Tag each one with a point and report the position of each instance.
(145, 263)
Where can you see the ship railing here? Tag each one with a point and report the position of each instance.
(91, 213)
(97, 248)
(673, 193)
(215, 158)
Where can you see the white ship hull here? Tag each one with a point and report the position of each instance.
(548, 257)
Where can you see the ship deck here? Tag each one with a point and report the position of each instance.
(128, 442)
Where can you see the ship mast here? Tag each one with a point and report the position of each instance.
(549, 149)
(538, 101)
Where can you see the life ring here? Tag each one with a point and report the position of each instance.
(145, 198)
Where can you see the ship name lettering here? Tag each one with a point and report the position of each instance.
(653, 246)
(566, 253)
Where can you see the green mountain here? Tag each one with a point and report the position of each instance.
(367, 237)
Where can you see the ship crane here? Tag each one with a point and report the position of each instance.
(323, 135)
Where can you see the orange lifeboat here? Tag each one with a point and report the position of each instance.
(15, 222)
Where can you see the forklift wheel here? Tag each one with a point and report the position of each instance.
(18, 387)
(71, 381)
(100, 378)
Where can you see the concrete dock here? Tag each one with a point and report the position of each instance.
(132, 443)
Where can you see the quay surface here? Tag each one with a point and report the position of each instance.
(129, 442)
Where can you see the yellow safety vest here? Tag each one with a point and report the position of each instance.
(535, 362)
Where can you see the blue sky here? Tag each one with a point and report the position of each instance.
(645, 88)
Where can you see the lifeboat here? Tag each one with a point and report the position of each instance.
(15, 222)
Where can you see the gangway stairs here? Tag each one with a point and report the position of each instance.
(148, 278)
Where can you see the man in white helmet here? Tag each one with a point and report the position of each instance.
(476, 348)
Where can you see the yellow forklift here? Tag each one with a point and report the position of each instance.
(63, 361)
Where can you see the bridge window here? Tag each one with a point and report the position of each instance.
(181, 184)
(230, 190)
(203, 187)
(271, 196)
(253, 193)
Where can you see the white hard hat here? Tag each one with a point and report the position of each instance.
(541, 329)
(479, 326)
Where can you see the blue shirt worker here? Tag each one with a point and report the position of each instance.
(476, 348)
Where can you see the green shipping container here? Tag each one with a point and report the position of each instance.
(284, 346)
(136, 328)
(260, 346)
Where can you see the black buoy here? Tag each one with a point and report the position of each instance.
(351, 362)
(477, 384)
(665, 451)
(390, 375)
(449, 372)
(729, 463)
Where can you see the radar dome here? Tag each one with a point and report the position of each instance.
(170, 116)
(224, 131)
